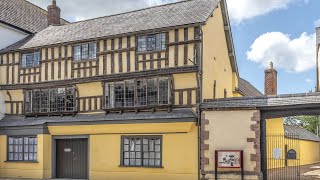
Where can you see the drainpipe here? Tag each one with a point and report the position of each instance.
(199, 79)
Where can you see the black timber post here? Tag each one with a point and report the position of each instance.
(263, 148)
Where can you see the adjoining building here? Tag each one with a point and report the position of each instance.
(117, 96)
(19, 20)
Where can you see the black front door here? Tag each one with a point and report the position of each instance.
(72, 158)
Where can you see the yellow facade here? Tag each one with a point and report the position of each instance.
(119, 60)
(308, 152)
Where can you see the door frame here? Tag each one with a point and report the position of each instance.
(54, 152)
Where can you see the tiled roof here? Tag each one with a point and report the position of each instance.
(318, 35)
(177, 115)
(264, 101)
(300, 132)
(168, 15)
(247, 89)
(24, 15)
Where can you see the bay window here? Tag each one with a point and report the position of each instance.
(49, 100)
(137, 93)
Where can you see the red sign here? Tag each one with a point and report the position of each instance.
(229, 159)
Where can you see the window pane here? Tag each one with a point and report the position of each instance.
(61, 99)
(92, 50)
(84, 51)
(53, 100)
(163, 91)
(29, 59)
(141, 92)
(24, 60)
(151, 42)
(36, 58)
(77, 53)
(28, 97)
(152, 85)
(129, 93)
(142, 44)
(119, 94)
(44, 100)
(36, 100)
(70, 98)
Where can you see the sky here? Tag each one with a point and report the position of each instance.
(281, 31)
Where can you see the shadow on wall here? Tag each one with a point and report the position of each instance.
(2, 106)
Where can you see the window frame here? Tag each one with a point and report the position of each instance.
(88, 52)
(21, 64)
(48, 105)
(141, 150)
(146, 43)
(23, 148)
(111, 105)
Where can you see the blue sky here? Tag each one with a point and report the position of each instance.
(281, 31)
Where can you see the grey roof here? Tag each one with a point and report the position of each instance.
(318, 35)
(183, 115)
(264, 101)
(24, 15)
(300, 132)
(247, 89)
(163, 16)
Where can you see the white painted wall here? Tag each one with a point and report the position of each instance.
(9, 35)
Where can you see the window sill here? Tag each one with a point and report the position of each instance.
(22, 68)
(150, 52)
(151, 167)
(31, 162)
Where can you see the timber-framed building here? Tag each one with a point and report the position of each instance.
(117, 96)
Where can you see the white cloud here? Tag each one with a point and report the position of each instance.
(83, 9)
(309, 81)
(241, 10)
(316, 23)
(292, 55)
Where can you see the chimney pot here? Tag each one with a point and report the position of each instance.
(271, 83)
(53, 16)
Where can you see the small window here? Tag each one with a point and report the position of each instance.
(30, 59)
(153, 42)
(22, 148)
(86, 51)
(141, 151)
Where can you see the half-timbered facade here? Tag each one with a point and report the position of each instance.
(117, 96)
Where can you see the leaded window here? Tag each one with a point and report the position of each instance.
(86, 51)
(30, 59)
(152, 42)
(22, 148)
(49, 100)
(137, 93)
(145, 151)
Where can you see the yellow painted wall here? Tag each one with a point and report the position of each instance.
(39, 170)
(216, 62)
(307, 151)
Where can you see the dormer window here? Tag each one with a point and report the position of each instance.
(30, 59)
(87, 51)
(153, 42)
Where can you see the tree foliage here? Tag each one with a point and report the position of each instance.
(310, 123)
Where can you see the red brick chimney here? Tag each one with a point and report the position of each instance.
(53, 16)
(271, 84)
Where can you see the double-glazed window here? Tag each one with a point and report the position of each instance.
(152, 42)
(30, 59)
(22, 148)
(85, 51)
(49, 100)
(142, 151)
(137, 93)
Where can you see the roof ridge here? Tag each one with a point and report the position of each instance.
(137, 10)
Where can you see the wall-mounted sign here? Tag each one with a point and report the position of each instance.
(67, 150)
(291, 154)
(277, 153)
(229, 159)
